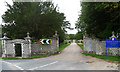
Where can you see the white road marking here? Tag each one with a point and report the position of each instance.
(13, 65)
(43, 65)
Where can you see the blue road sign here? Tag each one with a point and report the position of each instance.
(90, 45)
(112, 43)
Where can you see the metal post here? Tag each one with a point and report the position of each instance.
(106, 52)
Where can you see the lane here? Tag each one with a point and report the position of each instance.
(65, 65)
(69, 59)
(71, 53)
(43, 65)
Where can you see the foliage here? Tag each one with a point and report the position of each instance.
(81, 45)
(63, 45)
(70, 36)
(65, 42)
(99, 19)
(79, 36)
(67, 37)
(41, 19)
(111, 58)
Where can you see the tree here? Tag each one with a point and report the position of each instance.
(79, 36)
(99, 19)
(41, 19)
(67, 37)
(72, 36)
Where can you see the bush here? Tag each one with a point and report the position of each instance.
(65, 42)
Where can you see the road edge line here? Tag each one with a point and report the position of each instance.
(43, 65)
(13, 65)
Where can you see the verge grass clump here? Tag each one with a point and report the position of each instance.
(63, 45)
(110, 58)
(81, 45)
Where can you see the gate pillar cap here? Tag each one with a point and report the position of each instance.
(56, 34)
(113, 35)
(5, 37)
(28, 37)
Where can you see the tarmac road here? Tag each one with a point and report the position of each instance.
(69, 59)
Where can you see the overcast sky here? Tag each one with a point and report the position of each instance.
(71, 9)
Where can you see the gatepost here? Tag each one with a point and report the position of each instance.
(28, 38)
(4, 39)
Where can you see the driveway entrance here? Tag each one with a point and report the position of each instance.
(18, 50)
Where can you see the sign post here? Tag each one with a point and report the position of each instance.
(112, 43)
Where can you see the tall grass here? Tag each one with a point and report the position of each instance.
(81, 45)
(63, 45)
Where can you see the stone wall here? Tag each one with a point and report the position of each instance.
(27, 47)
(95, 46)
(9, 48)
(38, 48)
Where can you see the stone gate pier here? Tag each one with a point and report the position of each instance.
(8, 46)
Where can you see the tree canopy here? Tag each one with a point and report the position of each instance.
(79, 36)
(41, 19)
(99, 19)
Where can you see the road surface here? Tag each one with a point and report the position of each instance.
(69, 59)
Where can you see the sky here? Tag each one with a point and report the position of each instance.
(71, 9)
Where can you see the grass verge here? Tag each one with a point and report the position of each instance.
(11, 58)
(63, 45)
(81, 45)
(32, 57)
(110, 58)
